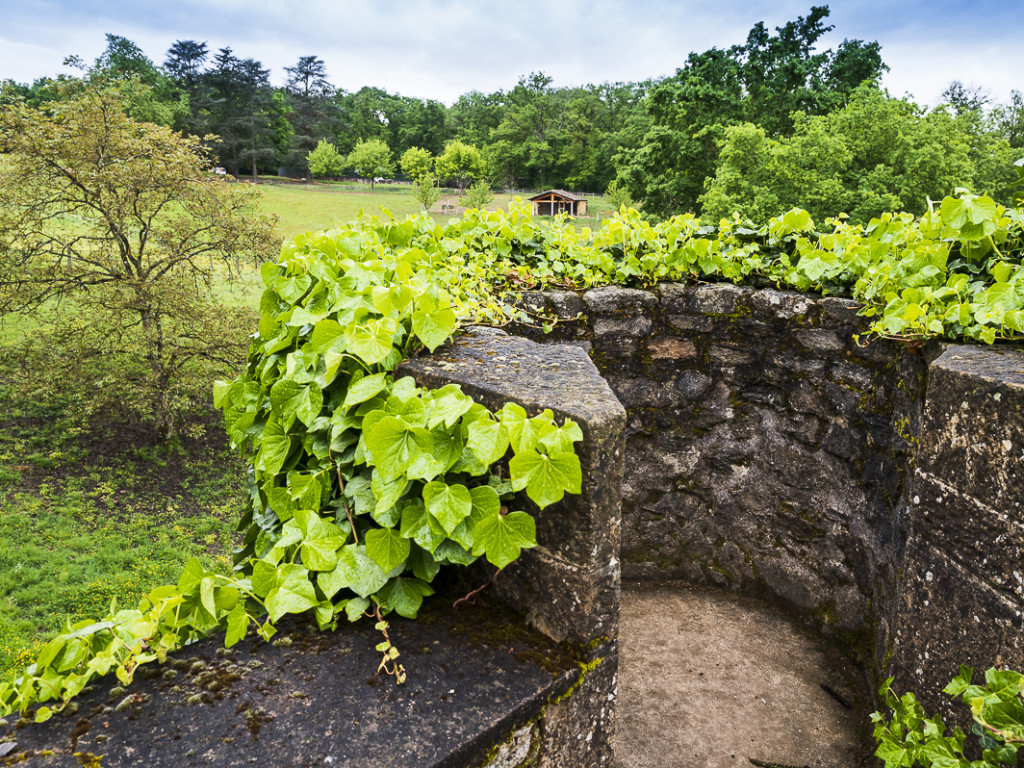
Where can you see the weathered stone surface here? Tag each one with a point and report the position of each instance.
(670, 348)
(583, 724)
(948, 617)
(973, 436)
(612, 300)
(786, 462)
(475, 677)
(567, 586)
(720, 299)
(625, 326)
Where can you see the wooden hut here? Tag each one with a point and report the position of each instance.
(556, 201)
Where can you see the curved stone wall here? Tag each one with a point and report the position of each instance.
(771, 452)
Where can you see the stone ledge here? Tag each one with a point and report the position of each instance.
(315, 700)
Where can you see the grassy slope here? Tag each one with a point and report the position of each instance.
(87, 515)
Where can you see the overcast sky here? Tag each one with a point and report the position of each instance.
(440, 49)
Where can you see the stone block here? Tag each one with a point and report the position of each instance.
(973, 430)
(718, 299)
(606, 330)
(819, 340)
(612, 300)
(784, 305)
(946, 617)
(671, 348)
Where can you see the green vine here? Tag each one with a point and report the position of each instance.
(909, 738)
(363, 485)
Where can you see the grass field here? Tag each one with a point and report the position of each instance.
(91, 513)
(303, 207)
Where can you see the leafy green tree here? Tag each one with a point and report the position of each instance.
(617, 196)
(242, 111)
(478, 196)
(371, 159)
(425, 190)
(424, 124)
(460, 163)
(185, 65)
(1008, 120)
(147, 93)
(113, 233)
(325, 160)
(524, 146)
(875, 155)
(416, 163)
(764, 81)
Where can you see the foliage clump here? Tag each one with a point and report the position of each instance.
(908, 737)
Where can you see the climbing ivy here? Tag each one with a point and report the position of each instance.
(363, 484)
(909, 738)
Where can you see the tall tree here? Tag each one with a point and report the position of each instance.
(185, 64)
(309, 96)
(764, 81)
(158, 100)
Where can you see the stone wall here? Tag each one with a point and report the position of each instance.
(872, 490)
(766, 450)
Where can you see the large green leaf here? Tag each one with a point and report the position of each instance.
(320, 541)
(448, 504)
(395, 446)
(371, 340)
(386, 547)
(561, 439)
(488, 440)
(503, 537)
(292, 400)
(355, 570)
(420, 526)
(404, 596)
(434, 328)
(546, 478)
(363, 389)
(275, 446)
(447, 405)
(293, 592)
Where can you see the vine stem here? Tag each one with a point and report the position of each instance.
(478, 590)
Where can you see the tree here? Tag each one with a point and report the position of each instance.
(965, 98)
(309, 96)
(113, 232)
(242, 111)
(147, 93)
(416, 163)
(876, 154)
(371, 159)
(184, 63)
(765, 81)
(478, 196)
(425, 190)
(325, 160)
(460, 163)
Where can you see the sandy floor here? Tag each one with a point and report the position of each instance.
(708, 679)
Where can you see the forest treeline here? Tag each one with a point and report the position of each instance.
(756, 128)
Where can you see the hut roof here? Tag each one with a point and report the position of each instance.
(560, 193)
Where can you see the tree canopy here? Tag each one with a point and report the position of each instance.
(118, 229)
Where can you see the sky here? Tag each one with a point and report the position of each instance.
(440, 49)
